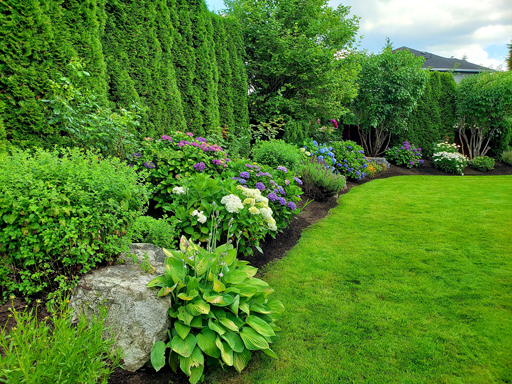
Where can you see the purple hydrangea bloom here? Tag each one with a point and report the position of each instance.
(149, 165)
(194, 144)
(245, 175)
(281, 200)
(411, 162)
(242, 181)
(297, 180)
(136, 155)
(292, 205)
(281, 190)
(280, 168)
(216, 162)
(199, 167)
(287, 182)
(166, 137)
(183, 143)
(260, 186)
(335, 123)
(130, 165)
(421, 161)
(189, 134)
(201, 139)
(272, 196)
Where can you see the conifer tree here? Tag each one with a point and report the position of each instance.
(225, 81)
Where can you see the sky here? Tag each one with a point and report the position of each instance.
(478, 29)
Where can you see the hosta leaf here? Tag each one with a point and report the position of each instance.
(232, 290)
(271, 353)
(246, 290)
(241, 359)
(218, 312)
(229, 324)
(250, 271)
(193, 284)
(253, 340)
(218, 300)
(188, 295)
(260, 309)
(235, 319)
(164, 291)
(276, 308)
(260, 326)
(257, 283)
(218, 286)
(184, 347)
(230, 257)
(234, 341)
(244, 307)
(202, 262)
(197, 357)
(158, 355)
(226, 353)
(159, 281)
(234, 277)
(214, 326)
(234, 306)
(198, 307)
(181, 329)
(184, 315)
(197, 322)
(174, 360)
(195, 374)
(206, 341)
(174, 268)
(185, 365)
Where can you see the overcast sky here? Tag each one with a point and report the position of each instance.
(479, 29)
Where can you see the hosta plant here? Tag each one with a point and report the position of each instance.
(221, 313)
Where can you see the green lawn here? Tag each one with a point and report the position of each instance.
(408, 280)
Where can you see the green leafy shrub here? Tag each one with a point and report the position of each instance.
(482, 163)
(328, 132)
(276, 152)
(220, 310)
(506, 157)
(279, 185)
(62, 213)
(42, 352)
(446, 146)
(320, 183)
(173, 158)
(406, 154)
(160, 232)
(450, 162)
(351, 161)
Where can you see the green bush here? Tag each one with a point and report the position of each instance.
(405, 154)
(506, 157)
(350, 159)
(320, 182)
(56, 350)
(450, 162)
(276, 152)
(219, 310)
(160, 232)
(482, 163)
(63, 213)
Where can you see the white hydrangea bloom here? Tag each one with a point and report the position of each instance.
(179, 190)
(249, 201)
(251, 193)
(262, 199)
(254, 211)
(266, 213)
(233, 203)
(272, 224)
(201, 218)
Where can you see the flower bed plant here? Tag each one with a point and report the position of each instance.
(352, 162)
(450, 162)
(275, 153)
(507, 157)
(406, 154)
(446, 146)
(482, 163)
(221, 313)
(312, 148)
(320, 183)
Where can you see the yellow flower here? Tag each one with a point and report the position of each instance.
(308, 153)
(254, 210)
(249, 201)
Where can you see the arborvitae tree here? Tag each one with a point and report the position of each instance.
(215, 123)
(236, 51)
(225, 81)
(3, 136)
(447, 103)
(185, 65)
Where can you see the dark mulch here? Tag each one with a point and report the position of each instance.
(272, 249)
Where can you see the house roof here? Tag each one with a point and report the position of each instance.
(439, 63)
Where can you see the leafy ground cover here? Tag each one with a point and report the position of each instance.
(408, 280)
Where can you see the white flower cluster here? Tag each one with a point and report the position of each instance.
(447, 147)
(256, 200)
(438, 156)
(179, 190)
(233, 203)
(200, 216)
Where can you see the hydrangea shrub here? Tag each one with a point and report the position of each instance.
(406, 154)
(352, 162)
(450, 162)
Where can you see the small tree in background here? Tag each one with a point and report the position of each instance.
(390, 84)
(509, 60)
(484, 112)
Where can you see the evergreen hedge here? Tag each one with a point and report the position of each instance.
(435, 114)
(173, 57)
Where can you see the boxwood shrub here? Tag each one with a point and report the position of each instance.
(62, 213)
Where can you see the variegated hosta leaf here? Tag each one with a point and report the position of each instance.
(184, 347)
(226, 353)
(234, 277)
(174, 268)
(260, 326)
(202, 262)
(229, 324)
(252, 339)
(244, 307)
(258, 283)
(240, 360)
(159, 281)
(260, 309)
(206, 341)
(219, 300)
(230, 257)
(234, 341)
(218, 286)
(214, 326)
(188, 295)
(181, 329)
(198, 307)
(247, 269)
(234, 306)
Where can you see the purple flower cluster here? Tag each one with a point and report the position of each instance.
(183, 143)
(281, 200)
(297, 180)
(189, 134)
(281, 168)
(335, 123)
(166, 138)
(199, 167)
(245, 175)
(272, 196)
(136, 154)
(292, 205)
(260, 186)
(216, 162)
(149, 165)
(201, 139)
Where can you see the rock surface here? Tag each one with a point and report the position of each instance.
(136, 316)
(379, 161)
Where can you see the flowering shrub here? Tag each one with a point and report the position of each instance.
(219, 310)
(445, 146)
(312, 148)
(279, 185)
(407, 155)
(324, 133)
(175, 157)
(320, 183)
(450, 162)
(202, 202)
(374, 168)
(482, 163)
(352, 162)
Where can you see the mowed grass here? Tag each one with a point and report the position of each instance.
(408, 280)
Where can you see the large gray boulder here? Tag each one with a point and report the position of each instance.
(136, 316)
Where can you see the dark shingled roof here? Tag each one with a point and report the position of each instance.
(439, 63)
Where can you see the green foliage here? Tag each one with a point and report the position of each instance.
(267, 131)
(506, 157)
(390, 85)
(81, 115)
(276, 152)
(220, 310)
(484, 109)
(350, 159)
(406, 154)
(35, 351)
(434, 116)
(326, 132)
(320, 183)
(445, 146)
(450, 162)
(509, 58)
(160, 232)
(62, 213)
(292, 65)
(482, 163)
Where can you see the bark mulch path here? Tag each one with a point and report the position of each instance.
(272, 249)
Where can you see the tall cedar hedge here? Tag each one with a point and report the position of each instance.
(173, 57)
(434, 116)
